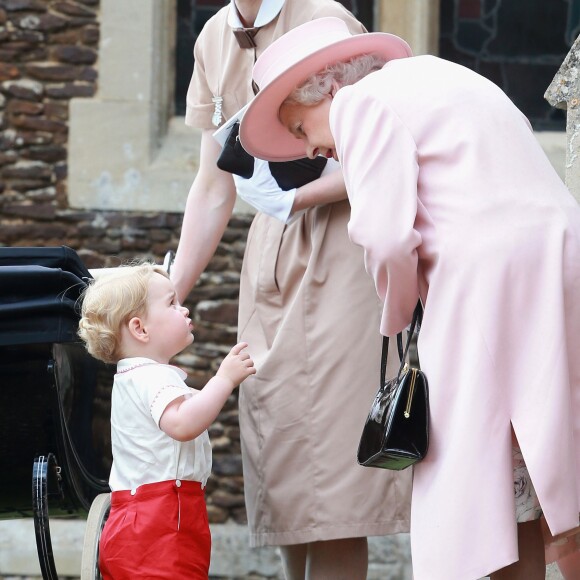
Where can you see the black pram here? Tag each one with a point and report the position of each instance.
(54, 429)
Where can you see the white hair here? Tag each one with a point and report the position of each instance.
(318, 85)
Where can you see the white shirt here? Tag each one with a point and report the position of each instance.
(269, 9)
(142, 452)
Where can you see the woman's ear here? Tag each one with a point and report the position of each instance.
(138, 330)
(333, 88)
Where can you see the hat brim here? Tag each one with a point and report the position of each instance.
(261, 132)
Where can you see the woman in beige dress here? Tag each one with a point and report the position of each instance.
(310, 315)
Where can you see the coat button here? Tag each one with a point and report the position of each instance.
(178, 483)
(133, 491)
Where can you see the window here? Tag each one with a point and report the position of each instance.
(193, 14)
(518, 45)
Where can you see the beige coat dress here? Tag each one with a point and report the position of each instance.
(310, 314)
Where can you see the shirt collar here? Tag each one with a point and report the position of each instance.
(269, 9)
(127, 364)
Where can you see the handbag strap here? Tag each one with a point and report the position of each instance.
(410, 347)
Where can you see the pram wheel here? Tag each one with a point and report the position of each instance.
(95, 521)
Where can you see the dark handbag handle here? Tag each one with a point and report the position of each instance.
(414, 357)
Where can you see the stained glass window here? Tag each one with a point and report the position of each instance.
(518, 44)
(193, 14)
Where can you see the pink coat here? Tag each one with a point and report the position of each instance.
(453, 200)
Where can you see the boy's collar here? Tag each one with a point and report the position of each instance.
(128, 364)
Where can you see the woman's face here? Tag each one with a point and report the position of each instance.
(311, 124)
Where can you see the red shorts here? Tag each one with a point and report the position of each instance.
(160, 532)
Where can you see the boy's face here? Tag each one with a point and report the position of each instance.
(167, 322)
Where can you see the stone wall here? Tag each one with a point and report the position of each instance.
(48, 55)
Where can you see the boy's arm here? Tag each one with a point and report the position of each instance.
(185, 419)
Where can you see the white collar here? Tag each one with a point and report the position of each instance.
(269, 9)
(128, 364)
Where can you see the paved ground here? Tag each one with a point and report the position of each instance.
(389, 557)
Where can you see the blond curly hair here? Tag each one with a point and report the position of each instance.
(110, 301)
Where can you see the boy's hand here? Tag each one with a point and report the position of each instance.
(237, 366)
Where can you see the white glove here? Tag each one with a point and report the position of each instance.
(263, 192)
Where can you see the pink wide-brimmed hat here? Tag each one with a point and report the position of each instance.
(287, 63)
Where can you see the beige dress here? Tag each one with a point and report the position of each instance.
(311, 315)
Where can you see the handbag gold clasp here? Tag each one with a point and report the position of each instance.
(407, 412)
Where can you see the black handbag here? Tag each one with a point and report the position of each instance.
(396, 432)
(296, 173)
(234, 158)
(288, 174)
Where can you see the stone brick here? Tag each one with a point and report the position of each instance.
(211, 292)
(8, 157)
(8, 55)
(60, 138)
(66, 36)
(43, 22)
(7, 140)
(216, 515)
(56, 110)
(70, 90)
(230, 417)
(233, 484)
(44, 194)
(88, 230)
(80, 22)
(231, 465)
(37, 211)
(74, 55)
(18, 234)
(8, 71)
(39, 124)
(60, 170)
(90, 35)
(17, 107)
(73, 9)
(227, 500)
(106, 247)
(48, 153)
(27, 5)
(240, 516)
(27, 170)
(52, 72)
(23, 138)
(30, 36)
(135, 245)
(221, 312)
(23, 89)
(217, 335)
(30, 54)
(76, 216)
(26, 184)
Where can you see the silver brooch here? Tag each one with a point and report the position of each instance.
(216, 118)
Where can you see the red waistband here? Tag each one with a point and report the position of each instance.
(148, 490)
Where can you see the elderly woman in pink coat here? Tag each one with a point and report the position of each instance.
(455, 203)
